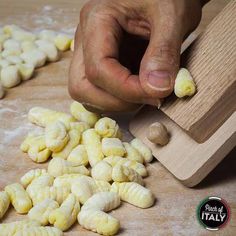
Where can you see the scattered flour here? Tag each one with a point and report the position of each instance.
(47, 8)
(9, 136)
(47, 17)
(6, 110)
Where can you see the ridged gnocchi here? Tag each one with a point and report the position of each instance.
(41, 211)
(134, 194)
(58, 194)
(58, 166)
(19, 198)
(74, 139)
(85, 187)
(93, 217)
(39, 231)
(140, 168)
(93, 145)
(29, 176)
(121, 173)
(36, 148)
(143, 149)
(56, 136)
(9, 229)
(43, 116)
(4, 203)
(112, 147)
(80, 113)
(65, 216)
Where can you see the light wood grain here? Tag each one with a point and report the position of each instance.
(187, 160)
(211, 61)
(174, 211)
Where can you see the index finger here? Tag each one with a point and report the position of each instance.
(101, 39)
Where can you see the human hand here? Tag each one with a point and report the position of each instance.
(100, 78)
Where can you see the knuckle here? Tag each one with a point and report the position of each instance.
(92, 10)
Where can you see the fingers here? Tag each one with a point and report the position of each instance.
(83, 91)
(160, 63)
(101, 40)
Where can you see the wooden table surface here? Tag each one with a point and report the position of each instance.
(175, 210)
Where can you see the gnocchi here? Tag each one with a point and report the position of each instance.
(58, 166)
(74, 139)
(19, 198)
(93, 217)
(80, 113)
(112, 147)
(84, 188)
(28, 177)
(93, 146)
(134, 194)
(4, 203)
(56, 136)
(41, 211)
(65, 216)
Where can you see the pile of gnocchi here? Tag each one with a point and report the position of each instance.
(90, 172)
(21, 52)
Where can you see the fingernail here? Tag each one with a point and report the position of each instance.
(159, 80)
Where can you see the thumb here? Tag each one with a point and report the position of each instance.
(160, 63)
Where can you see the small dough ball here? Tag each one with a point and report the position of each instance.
(10, 76)
(102, 171)
(27, 46)
(13, 60)
(26, 71)
(49, 49)
(157, 133)
(35, 57)
(62, 42)
(48, 35)
(2, 91)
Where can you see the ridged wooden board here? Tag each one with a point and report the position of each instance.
(212, 62)
(209, 116)
(189, 161)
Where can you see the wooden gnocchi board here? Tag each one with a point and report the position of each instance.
(202, 128)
